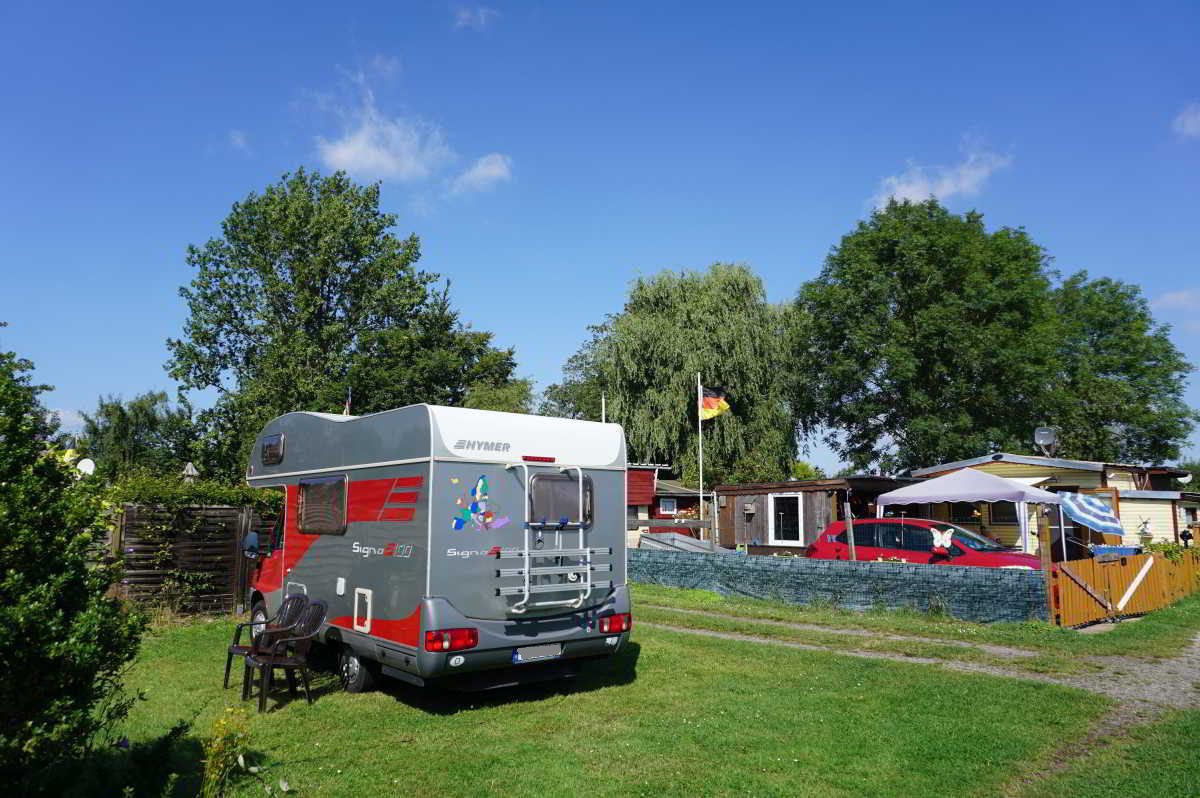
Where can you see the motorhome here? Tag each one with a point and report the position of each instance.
(468, 547)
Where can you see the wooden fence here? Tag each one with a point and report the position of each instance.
(188, 558)
(1086, 591)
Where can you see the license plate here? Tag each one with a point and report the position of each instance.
(534, 653)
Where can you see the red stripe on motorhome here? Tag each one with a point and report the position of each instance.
(368, 499)
(406, 631)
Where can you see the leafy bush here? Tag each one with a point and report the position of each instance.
(1168, 549)
(171, 492)
(63, 642)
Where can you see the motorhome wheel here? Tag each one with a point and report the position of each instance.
(258, 617)
(356, 672)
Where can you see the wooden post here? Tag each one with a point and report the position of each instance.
(1043, 523)
(849, 528)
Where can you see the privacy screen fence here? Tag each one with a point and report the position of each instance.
(975, 594)
(186, 558)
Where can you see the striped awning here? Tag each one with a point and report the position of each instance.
(1091, 512)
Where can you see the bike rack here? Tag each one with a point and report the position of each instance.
(527, 554)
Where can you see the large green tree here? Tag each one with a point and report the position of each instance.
(1118, 395)
(146, 432)
(63, 641)
(645, 359)
(308, 295)
(925, 338)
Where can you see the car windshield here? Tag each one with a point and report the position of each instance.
(972, 540)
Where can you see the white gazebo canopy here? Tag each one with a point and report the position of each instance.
(969, 485)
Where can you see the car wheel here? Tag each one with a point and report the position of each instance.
(356, 672)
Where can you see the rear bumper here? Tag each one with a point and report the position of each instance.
(576, 632)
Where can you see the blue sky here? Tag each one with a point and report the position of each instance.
(547, 154)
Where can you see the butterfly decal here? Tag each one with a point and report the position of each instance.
(941, 538)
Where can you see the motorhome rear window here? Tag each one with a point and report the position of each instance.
(272, 449)
(323, 506)
(553, 497)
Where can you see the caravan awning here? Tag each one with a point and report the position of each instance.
(967, 485)
(1091, 512)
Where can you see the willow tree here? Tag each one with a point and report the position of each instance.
(645, 358)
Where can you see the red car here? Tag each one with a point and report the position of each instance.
(913, 540)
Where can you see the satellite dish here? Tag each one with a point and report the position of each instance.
(86, 466)
(1185, 479)
(1046, 439)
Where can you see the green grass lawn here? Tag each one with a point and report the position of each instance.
(675, 714)
(1163, 633)
(1159, 759)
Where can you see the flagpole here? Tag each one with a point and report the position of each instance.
(603, 408)
(700, 443)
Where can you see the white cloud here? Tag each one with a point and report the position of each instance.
(238, 140)
(1184, 299)
(1187, 124)
(476, 17)
(484, 174)
(70, 420)
(384, 65)
(968, 177)
(376, 146)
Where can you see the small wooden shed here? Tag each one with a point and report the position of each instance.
(784, 517)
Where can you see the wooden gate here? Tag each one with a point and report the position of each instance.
(1086, 591)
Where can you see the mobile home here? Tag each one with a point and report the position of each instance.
(449, 542)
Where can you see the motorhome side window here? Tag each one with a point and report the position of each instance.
(322, 506)
(272, 449)
(553, 497)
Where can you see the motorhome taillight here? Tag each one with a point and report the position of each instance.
(614, 624)
(536, 458)
(451, 639)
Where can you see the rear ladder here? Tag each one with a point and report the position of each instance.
(575, 577)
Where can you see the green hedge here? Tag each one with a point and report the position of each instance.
(172, 492)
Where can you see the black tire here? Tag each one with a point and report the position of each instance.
(258, 612)
(357, 674)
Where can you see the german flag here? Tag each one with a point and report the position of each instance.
(713, 403)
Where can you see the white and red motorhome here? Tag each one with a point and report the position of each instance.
(448, 542)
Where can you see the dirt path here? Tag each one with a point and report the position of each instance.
(1142, 689)
(1007, 652)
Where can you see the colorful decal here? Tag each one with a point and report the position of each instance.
(473, 509)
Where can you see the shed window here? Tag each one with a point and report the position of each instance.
(668, 506)
(554, 498)
(323, 506)
(786, 521)
(272, 449)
